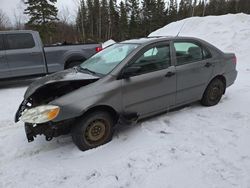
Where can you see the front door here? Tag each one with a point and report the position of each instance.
(152, 88)
(24, 55)
(4, 69)
(194, 68)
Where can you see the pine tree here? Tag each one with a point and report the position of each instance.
(113, 20)
(104, 20)
(42, 15)
(185, 9)
(148, 8)
(173, 12)
(134, 21)
(123, 23)
(221, 4)
(159, 15)
(199, 8)
(81, 20)
(97, 19)
(90, 19)
(244, 6)
(233, 6)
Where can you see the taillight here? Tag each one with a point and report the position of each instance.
(98, 49)
(234, 59)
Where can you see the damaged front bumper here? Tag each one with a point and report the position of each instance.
(49, 130)
(33, 130)
(22, 107)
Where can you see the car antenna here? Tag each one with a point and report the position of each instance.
(181, 28)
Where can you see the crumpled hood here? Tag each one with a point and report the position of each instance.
(62, 76)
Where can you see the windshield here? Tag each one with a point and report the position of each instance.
(105, 61)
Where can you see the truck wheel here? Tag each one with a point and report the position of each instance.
(72, 64)
(93, 130)
(213, 93)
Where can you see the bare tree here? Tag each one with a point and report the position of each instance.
(64, 15)
(4, 21)
(19, 18)
(204, 8)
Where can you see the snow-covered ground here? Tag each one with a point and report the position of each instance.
(195, 147)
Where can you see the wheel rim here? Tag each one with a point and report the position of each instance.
(215, 93)
(96, 131)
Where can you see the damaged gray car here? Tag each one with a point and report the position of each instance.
(124, 83)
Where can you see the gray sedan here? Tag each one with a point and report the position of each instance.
(124, 83)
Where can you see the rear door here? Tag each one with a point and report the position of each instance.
(152, 88)
(194, 68)
(24, 55)
(4, 69)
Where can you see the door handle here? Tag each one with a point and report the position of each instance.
(208, 65)
(169, 74)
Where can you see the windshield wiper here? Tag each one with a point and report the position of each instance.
(87, 70)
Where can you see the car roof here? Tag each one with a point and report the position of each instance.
(148, 40)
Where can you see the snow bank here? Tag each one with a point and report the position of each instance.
(228, 32)
(196, 147)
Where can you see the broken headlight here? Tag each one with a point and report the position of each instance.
(40, 114)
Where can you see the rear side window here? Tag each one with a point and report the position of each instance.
(1, 42)
(188, 52)
(19, 41)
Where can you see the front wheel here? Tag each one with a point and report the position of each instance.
(93, 130)
(213, 93)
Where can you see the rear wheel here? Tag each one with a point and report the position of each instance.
(213, 93)
(93, 130)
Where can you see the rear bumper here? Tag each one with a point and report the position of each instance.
(231, 77)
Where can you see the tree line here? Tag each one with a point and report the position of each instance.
(104, 19)
(100, 20)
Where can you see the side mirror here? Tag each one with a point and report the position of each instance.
(130, 71)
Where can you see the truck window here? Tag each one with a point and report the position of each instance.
(1, 43)
(19, 41)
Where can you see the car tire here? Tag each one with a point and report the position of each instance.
(72, 64)
(213, 93)
(93, 130)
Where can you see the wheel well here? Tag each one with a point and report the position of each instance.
(223, 79)
(105, 108)
(74, 59)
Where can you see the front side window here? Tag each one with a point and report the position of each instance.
(106, 60)
(187, 52)
(19, 41)
(154, 59)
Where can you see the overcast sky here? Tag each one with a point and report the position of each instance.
(12, 7)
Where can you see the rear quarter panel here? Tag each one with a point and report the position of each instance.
(223, 64)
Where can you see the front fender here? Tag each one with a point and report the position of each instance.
(74, 104)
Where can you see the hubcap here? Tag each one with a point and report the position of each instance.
(215, 93)
(95, 131)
